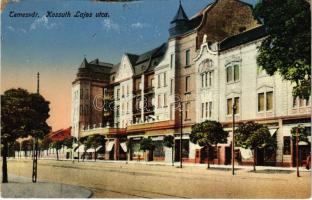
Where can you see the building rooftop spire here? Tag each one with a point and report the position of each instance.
(181, 15)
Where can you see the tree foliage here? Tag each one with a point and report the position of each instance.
(208, 133)
(287, 49)
(23, 114)
(254, 136)
(147, 144)
(169, 141)
(251, 135)
(302, 132)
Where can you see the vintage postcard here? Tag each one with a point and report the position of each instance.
(156, 99)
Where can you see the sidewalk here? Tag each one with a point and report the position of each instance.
(177, 164)
(22, 187)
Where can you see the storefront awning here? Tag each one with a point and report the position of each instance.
(302, 143)
(124, 146)
(80, 149)
(91, 150)
(272, 131)
(110, 146)
(246, 153)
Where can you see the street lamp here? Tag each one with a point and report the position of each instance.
(35, 152)
(233, 136)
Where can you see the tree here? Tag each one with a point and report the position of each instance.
(46, 144)
(208, 133)
(57, 145)
(22, 114)
(147, 144)
(287, 49)
(169, 142)
(302, 132)
(254, 136)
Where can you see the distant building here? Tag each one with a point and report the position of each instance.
(60, 135)
(207, 65)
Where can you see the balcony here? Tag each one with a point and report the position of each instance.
(149, 90)
(137, 92)
(100, 130)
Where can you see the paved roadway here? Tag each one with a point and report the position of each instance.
(120, 180)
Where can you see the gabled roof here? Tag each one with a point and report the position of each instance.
(242, 38)
(132, 58)
(180, 15)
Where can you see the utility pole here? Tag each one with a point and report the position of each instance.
(233, 137)
(35, 156)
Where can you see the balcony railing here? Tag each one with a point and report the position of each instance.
(149, 90)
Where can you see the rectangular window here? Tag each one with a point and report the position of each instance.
(203, 80)
(118, 93)
(159, 101)
(236, 72)
(171, 86)
(229, 74)
(210, 79)
(171, 111)
(81, 93)
(236, 103)
(207, 111)
(159, 81)
(202, 110)
(127, 90)
(152, 82)
(122, 91)
(260, 102)
(210, 109)
(187, 105)
(105, 92)
(140, 85)
(117, 111)
(269, 100)
(165, 79)
(171, 60)
(229, 106)
(187, 82)
(187, 57)
(206, 80)
(165, 100)
(127, 108)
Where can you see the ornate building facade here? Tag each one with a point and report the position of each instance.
(207, 65)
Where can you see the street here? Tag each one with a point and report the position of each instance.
(120, 180)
